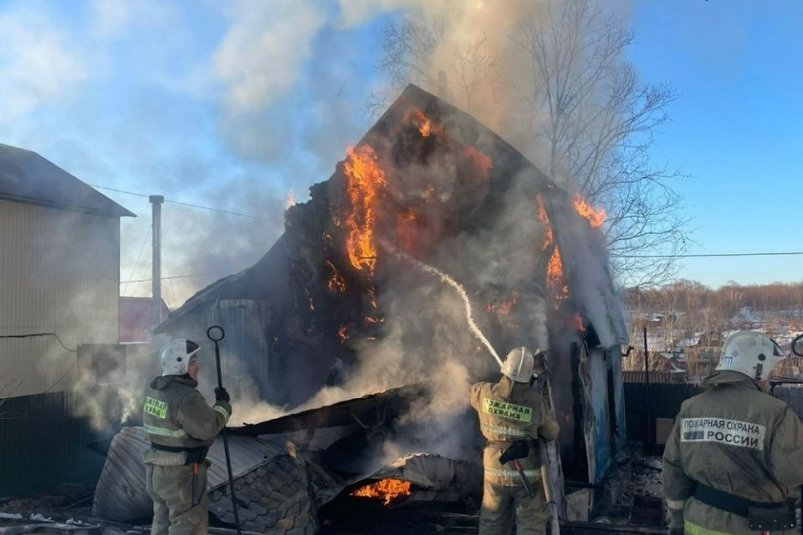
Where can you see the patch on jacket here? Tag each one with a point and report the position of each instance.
(155, 407)
(731, 432)
(520, 413)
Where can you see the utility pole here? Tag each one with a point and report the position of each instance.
(156, 277)
(648, 442)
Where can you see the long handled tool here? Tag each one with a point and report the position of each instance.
(550, 470)
(549, 496)
(216, 334)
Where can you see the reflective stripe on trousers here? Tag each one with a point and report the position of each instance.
(496, 472)
(164, 432)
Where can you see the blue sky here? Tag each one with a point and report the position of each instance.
(237, 105)
(735, 128)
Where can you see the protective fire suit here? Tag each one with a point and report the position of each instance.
(508, 412)
(181, 427)
(734, 438)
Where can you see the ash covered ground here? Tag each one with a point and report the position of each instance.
(644, 480)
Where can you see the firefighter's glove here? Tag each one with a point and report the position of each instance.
(221, 394)
(675, 521)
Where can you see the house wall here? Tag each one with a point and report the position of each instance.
(60, 273)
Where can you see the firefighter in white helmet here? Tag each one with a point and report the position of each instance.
(180, 427)
(735, 452)
(512, 414)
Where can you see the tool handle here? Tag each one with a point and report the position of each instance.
(517, 465)
(215, 333)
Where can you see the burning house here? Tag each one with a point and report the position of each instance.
(433, 248)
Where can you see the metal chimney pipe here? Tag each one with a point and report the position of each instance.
(156, 277)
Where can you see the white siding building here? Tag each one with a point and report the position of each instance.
(59, 272)
(59, 287)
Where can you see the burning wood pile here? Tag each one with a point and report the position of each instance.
(433, 245)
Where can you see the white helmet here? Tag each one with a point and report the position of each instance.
(176, 355)
(519, 365)
(751, 353)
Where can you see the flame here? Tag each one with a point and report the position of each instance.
(336, 284)
(479, 159)
(577, 321)
(554, 268)
(364, 180)
(548, 237)
(342, 334)
(426, 127)
(505, 308)
(406, 226)
(387, 490)
(372, 297)
(371, 319)
(291, 200)
(554, 276)
(594, 217)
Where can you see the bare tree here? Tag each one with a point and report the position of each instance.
(577, 105)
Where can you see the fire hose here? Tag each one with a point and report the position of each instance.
(212, 334)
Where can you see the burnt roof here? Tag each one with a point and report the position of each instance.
(464, 128)
(29, 178)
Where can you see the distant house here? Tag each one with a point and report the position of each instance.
(60, 279)
(135, 319)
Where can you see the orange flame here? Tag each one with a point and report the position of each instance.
(554, 276)
(371, 319)
(387, 490)
(406, 227)
(291, 200)
(342, 334)
(479, 159)
(577, 321)
(548, 238)
(336, 283)
(595, 217)
(505, 308)
(554, 268)
(426, 127)
(364, 180)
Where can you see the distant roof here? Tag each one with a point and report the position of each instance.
(27, 177)
(135, 318)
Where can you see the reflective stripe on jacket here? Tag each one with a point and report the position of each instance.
(735, 438)
(175, 414)
(508, 412)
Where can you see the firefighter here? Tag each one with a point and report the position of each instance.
(735, 451)
(181, 427)
(511, 412)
